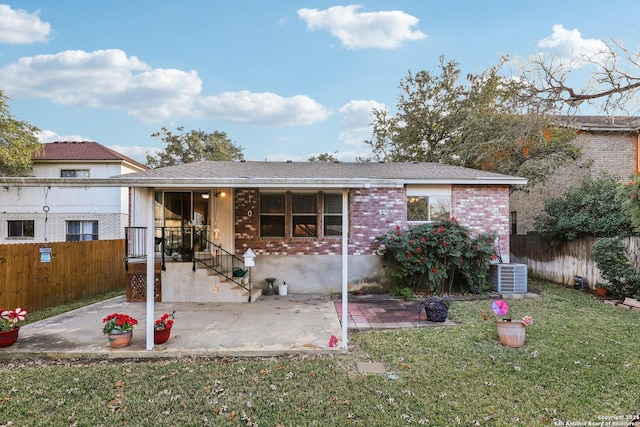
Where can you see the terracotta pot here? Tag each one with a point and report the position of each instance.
(602, 291)
(511, 334)
(160, 336)
(7, 338)
(120, 339)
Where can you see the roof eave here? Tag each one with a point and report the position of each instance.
(124, 181)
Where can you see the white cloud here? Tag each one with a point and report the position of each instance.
(569, 46)
(22, 27)
(264, 108)
(356, 30)
(50, 136)
(356, 121)
(135, 152)
(112, 80)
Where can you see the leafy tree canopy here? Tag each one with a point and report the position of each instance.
(595, 208)
(485, 121)
(325, 157)
(193, 146)
(18, 143)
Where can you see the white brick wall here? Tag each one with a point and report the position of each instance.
(52, 228)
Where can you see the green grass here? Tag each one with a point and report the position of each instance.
(63, 308)
(580, 363)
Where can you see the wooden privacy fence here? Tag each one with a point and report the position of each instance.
(76, 270)
(561, 263)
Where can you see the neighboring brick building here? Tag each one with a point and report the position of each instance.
(608, 144)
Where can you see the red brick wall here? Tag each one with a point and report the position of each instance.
(373, 212)
(483, 208)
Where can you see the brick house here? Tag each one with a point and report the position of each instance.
(294, 216)
(608, 144)
(56, 214)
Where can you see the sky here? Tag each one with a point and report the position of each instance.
(285, 80)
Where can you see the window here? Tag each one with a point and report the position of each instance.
(304, 215)
(20, 228)
(74, 173)
(332, 215)
(82, 230)
(426, 203)
(272, 214)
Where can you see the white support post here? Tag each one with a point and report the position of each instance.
(150, 268)
(345, 267)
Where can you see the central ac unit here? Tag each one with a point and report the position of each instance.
(508, 278)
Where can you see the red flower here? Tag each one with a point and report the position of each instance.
(408, 256)
(441, 229)
(423, 240)
(434, 270)
(411, 242)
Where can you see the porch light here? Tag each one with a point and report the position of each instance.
(221, 194)
(205, 196)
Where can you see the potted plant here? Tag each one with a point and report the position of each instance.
(119, 329)
(511, 333)
(186, 253)
(436, 308)
(162, 328)
(9, 327)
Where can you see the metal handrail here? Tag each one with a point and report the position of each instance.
(226, 264)
(172, 240)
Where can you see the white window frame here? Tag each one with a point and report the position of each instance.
(75, 173)
(432, 194)
(22, 235)
(84, 230)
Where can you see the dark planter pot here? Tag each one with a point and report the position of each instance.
(435, 309)
(8, 338)
(160, 336)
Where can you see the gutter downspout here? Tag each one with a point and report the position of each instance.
(345, 266)
(150, 269)
(637, 153)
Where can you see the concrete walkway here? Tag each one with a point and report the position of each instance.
(273, 325)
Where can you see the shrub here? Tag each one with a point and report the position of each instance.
(612, 259)
(436, 254)
(595, 208)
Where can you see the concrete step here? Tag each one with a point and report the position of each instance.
(181, 284)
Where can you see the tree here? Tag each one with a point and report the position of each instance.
(18, 143)
(487, 122)
(193, 146)
(325, 157)
(595, 208)
(613, 81)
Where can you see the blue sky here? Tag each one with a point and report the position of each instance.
(284, 79)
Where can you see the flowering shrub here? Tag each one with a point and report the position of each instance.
(117, 322)
(435, 254)
(9, 318)
(164, 322)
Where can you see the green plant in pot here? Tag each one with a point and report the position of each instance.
(186, 253)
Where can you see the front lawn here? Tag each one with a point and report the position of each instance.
(580, 364)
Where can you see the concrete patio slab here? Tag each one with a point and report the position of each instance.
(273, 325)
